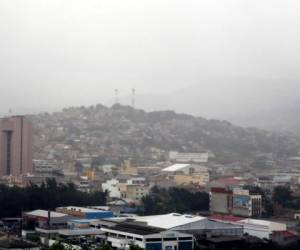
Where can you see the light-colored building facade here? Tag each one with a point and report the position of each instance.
(186, 169)
(261, 228)
(112, 187)
(44, 166)
(134, 192)
(134, 189)
(188, 157)
(220, 201)
(198, 179)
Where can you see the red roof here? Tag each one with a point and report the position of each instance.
(286, 234)
(228, 181)
(228, 218)
(220, 190)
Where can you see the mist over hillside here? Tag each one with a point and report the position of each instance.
(122, 132)
(274, 105)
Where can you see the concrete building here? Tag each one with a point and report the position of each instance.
(198, 179)
(186, 169)
(44, 166)
(134, 192)
(112, 187)
(137, 180)
(134, 189)
(188, 157)
(128, 169)
(262, 229)
(246, 204)
(84, 184)
(238, 202)
(220, 201)
(15, 146)
(44, 221)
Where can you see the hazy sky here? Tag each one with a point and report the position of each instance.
(59, 53)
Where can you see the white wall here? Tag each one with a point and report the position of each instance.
(112, 186)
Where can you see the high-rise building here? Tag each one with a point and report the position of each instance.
(15, 146)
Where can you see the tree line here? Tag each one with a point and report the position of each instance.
(48, 195)
(180, 200)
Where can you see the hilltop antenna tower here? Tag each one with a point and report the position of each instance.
(117, 96)
(133, 98)
(9, 113)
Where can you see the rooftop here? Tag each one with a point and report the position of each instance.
(286, 234)
(270, 224)
(44, 214)
(227, 218)
(135, 228)
(82, 209)
(175, 167)
(168, 221)
(226, 181)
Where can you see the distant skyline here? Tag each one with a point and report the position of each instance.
(57, 54)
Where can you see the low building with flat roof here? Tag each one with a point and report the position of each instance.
(43, 219)
(85, 213)
(124, 234)
(263, 229)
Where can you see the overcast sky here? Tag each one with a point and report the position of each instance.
(56, 53)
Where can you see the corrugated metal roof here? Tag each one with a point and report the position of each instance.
(44, 213)
(168, 221)
(175, 167)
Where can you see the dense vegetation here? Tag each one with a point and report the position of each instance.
(283, 196)
(14, 200)
(180, 200)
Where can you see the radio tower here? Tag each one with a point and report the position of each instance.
(117, 96)
(133, 98)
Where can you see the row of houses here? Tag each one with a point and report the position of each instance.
(135, 188)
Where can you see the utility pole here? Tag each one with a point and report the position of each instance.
(116, 96)
(133, 98)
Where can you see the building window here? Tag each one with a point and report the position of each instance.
(185, 238)
(153, 240)
(170, 239)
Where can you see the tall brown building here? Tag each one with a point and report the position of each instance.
(15, 146)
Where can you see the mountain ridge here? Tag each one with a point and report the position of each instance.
(270, 104)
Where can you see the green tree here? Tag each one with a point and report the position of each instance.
(104, 247)
(282, 195)
(135, 247)
(179, 200)
(57, 246)
(49, 195)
